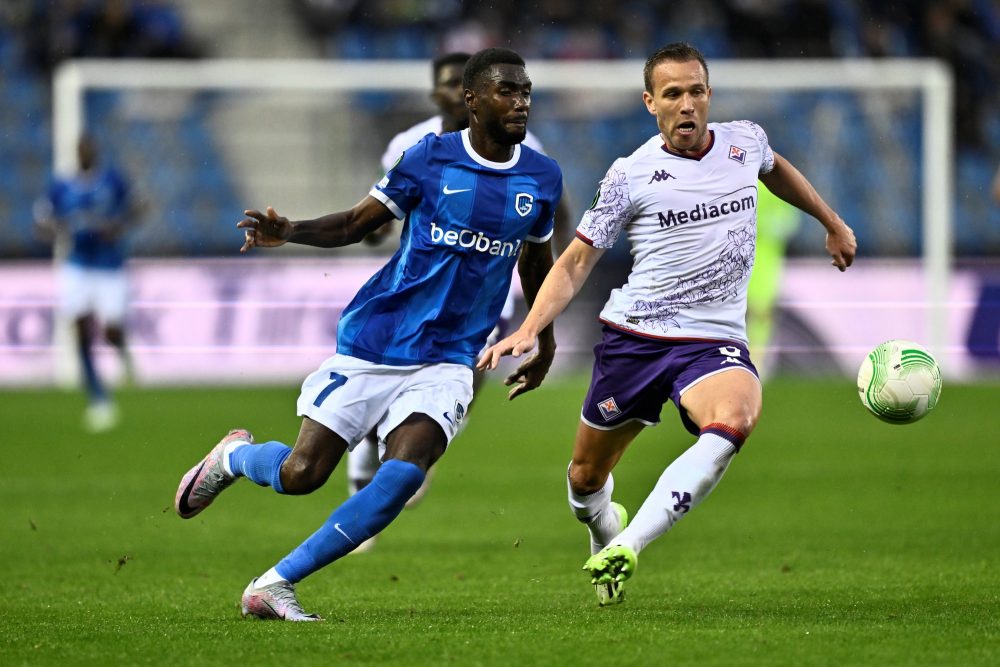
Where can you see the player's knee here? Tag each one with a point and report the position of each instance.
(585, 478)
(300, 475)
(740, 416)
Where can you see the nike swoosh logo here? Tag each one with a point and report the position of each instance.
(449, 191)
(273, 610)
(448, 418)
(182, 505)
(336, 527)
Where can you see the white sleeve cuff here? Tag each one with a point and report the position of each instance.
(539, 239)
(389, 204)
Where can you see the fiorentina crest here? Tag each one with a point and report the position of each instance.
(609, 409)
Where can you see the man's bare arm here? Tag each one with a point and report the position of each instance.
(334, 230)
(558, 289)
(533, 265)
(789, 184)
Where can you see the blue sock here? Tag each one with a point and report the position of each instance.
(95, 388)
(362, 515)
(260, 463)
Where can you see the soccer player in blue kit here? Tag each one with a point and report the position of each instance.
(474, 204)
(93, 208)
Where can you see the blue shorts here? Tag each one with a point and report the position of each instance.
(634, 376)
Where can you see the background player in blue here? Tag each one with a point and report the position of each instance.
(474, 204)
(91, 210)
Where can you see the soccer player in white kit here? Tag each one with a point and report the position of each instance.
(448, 96)
(676, 330)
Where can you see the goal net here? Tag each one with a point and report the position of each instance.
(206, 139)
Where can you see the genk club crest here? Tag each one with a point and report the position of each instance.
(523, 203)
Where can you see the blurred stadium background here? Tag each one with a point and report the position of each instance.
(200, 156)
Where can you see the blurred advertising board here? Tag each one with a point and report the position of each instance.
(267, 320)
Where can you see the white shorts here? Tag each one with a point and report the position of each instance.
(101, 292)
(350, 396)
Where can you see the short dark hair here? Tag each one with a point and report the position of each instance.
(678, 52)
(483, 60)
(455, 58)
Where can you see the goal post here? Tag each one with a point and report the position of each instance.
(928, 81)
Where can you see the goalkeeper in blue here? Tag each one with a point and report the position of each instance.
(474, 204)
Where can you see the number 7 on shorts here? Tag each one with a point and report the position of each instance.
(336, 380)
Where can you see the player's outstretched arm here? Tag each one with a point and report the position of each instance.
(533, 266)
(557, 290)
(789, 184)
(268, 229)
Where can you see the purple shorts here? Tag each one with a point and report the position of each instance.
(634, 376)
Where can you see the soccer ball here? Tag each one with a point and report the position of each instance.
(899, 382)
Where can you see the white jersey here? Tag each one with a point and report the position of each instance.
(434, 125)
(692, 225)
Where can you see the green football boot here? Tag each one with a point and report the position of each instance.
(611, 566)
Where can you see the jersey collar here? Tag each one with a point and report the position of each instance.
(489, 163)
(698, 156)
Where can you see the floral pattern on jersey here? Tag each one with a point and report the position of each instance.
(767, 155)
(603, 223)
(720, 282)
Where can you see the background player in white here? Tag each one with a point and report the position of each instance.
(448, 95)
(687, 201)
(476, 203)
(91, 211)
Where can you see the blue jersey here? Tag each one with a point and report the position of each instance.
(91, 206)
(465, 222)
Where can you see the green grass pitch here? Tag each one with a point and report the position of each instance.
(834, 539)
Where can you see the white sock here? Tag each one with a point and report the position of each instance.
(268, 578)
(230, 448)
(685, 483)
(594, 509)
(362, 462)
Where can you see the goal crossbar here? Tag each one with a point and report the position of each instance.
(931, 79)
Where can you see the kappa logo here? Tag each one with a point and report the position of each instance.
(738, 154)
(523, 203)
(609, 409)
(661, 175)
